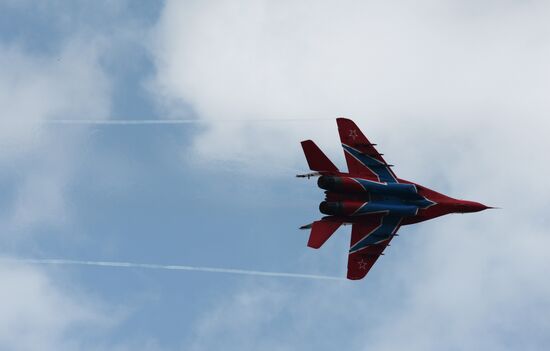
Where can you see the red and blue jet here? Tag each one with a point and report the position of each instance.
(371, 198)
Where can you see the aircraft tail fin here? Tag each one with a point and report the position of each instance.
(316, 159)
(321, 231)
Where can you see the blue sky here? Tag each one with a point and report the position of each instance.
(454, 93)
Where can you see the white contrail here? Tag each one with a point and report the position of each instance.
(123, 121)
(54, 261)
(173, 121)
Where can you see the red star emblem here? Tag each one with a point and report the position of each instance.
(363, 264)
(353, 134)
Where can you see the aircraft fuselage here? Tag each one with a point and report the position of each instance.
(356, 197)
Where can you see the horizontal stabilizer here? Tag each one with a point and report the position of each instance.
(316, 159)
(321, 231)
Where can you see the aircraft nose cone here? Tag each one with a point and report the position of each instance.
(476, 207)
(471, 206)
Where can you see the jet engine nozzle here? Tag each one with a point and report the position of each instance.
(340, 208)
(326, 182)
(330, 208)
(340, 184)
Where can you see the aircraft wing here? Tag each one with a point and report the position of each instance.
(369, 238)
(361, 156)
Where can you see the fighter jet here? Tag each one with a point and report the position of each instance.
(371, 198)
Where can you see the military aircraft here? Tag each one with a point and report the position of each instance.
(371, 198)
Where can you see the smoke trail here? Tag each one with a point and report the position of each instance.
(174, 121)
(168, 267)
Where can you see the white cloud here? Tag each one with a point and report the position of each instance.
(42, 310)
(456, 95)
(437, 67)
(35, 89)
(39, 311)
(37, 314)
(255, 311)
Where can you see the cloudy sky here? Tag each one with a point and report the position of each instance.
(455, 93)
